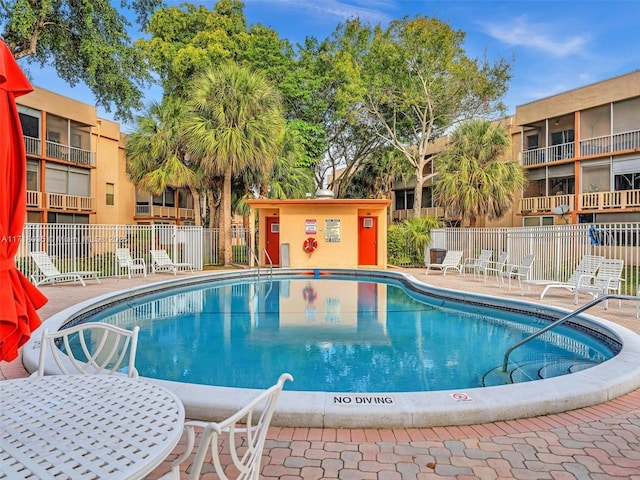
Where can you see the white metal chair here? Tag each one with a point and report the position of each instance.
(451, 260)
(519, 272)
(49, 273)
(246, 431)
(477, 264)
(588, 266)
(607, 279)
(496, 267)
(125, 260)
(92, 348)
(161, 262)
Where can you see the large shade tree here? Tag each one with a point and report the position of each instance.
(475, 179)
(235, 123)
(85, 42)
(416, 80)
(157, 154)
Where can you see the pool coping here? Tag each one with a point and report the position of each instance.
(593, 386)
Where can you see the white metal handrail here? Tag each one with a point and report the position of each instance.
(268, 257)
(595, 301)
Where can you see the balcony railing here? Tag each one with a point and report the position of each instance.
(155, 211)
(34, 199)
(545, 204)
(187, 213)
(33, 146)
(610, 143)
(430, 211)
(589, 202)
(59, 201)
(618, 142)
(554, 153)
(70, 154)
(619, 199)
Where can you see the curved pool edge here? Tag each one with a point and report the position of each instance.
(604, 382)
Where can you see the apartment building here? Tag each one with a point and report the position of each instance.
(581, 153)
(76, 170)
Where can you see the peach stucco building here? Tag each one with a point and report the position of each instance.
(322, 232)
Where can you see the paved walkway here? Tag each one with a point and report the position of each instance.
(601, 442)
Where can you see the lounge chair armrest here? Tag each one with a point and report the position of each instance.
(584, 277)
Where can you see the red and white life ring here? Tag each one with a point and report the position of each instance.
(310, 244)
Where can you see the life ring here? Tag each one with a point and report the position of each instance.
(309, 294)
(594, 235)
(310, 244)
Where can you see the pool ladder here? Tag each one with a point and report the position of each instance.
(586, 306)
(266, 256)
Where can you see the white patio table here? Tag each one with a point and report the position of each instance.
(85, 427)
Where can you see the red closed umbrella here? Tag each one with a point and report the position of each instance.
(19, 299)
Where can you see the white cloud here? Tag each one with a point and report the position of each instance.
(549, 38)
(371, 10)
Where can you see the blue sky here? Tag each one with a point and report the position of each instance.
(553, 45)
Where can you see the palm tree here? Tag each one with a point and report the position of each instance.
(156, 153)
(473, 179)
(235, 123)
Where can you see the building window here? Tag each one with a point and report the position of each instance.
(404, 199)
(67, 180)
(627, 181)
(33, 176)
(537, 221)
(110, 194)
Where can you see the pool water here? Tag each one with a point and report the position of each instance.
(340, 335)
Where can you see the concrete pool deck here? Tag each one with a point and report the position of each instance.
(594, 442)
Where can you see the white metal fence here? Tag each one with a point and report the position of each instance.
(557, 249)
(92, 247)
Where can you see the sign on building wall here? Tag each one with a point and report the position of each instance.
(310, 226)
(332, 230)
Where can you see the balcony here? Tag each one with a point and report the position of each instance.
(620, 200)
(155, 211)
(34, 199)
(424, 212)
(187, 213)
(59, 201)
(554, 153)
(619, 142)
(70, 154)
(544, 204)
(607, 144)
(33, 146)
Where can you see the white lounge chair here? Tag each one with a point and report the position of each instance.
(161, 262)
(245, 442)
(497, 267)
(49, 273)
(519, 272)
(125, 260)
(477, 264)
(90, 348)
(607, 279)
(452, 260)
(588, 265)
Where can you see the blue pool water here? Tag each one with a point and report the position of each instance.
(340, 335)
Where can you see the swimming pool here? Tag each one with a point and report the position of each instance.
(454, 404)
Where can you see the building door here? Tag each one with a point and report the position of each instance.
(367, 240)
(273, 240)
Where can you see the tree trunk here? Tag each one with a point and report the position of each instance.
(417, 194)
(225, 233)
(197, 212)
(212, 209)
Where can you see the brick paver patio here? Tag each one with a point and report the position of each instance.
(600, 442)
